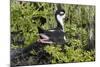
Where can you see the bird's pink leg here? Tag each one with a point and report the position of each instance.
(45, 39)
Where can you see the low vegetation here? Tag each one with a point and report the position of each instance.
(26, 16)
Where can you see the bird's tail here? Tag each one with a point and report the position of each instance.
(40, 30)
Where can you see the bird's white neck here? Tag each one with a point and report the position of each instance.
(60, 20)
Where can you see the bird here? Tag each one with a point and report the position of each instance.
(55, 35)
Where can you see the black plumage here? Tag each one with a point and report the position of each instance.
(57, 36)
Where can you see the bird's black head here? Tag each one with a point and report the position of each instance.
(60, 12)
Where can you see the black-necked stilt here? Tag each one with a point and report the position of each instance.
(55, 35)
